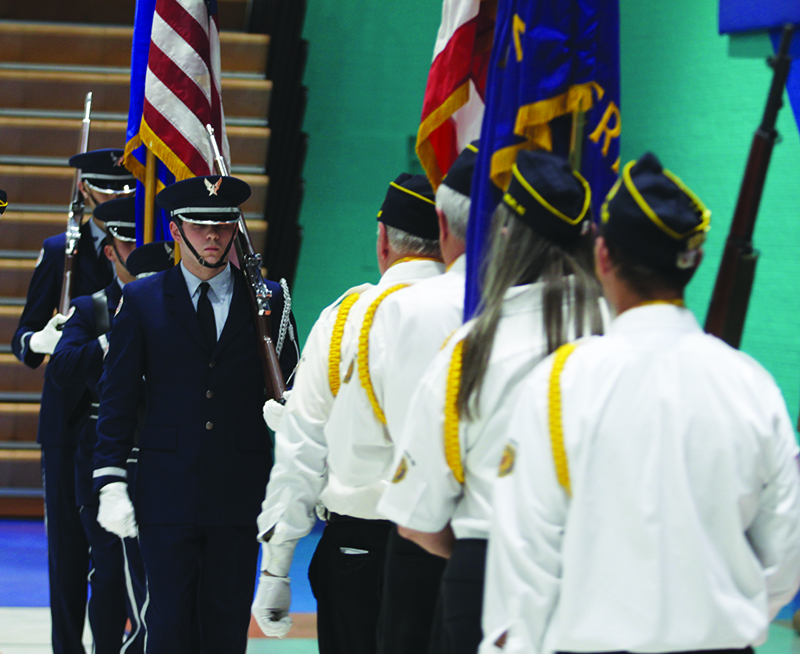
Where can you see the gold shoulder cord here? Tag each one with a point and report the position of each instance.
(555, 418)
(452, 446)
(363, 350)
(335, 354)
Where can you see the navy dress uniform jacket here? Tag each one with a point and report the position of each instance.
(204, 449)
(91, 274)
(78, 363)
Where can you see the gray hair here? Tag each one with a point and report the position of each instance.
(455, 207)
(410, 245)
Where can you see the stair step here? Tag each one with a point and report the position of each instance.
(63, 90)
(20, 398)
(17, 376)
(27, 231)
(15, 276)
(52, 185)
(73, 114)
(18, 425)
(232, 13)
(54, 140)
(42, 43)
(9, 319)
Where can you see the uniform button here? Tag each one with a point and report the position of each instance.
(212, 363)
(209, 425)
(209, 394)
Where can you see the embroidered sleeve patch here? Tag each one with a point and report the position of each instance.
(119, 306)
(39, 258)
(401, 472)
(507, 461)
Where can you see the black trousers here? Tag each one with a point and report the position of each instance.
(411, 582)
(200, 583)
(346, 575)
(118, 588)
(67, 550)
(457, 627)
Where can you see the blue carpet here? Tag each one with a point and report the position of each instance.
(23, 566)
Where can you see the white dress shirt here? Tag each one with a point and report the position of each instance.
(220, 293)
(301, 474)
(428, 496)
(683, 528)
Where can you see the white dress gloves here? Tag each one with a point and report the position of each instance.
(273, 412)
(115, 513)
(271, 605)
(45, 341)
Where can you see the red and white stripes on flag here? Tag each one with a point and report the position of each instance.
(182, 88)
(453, 107)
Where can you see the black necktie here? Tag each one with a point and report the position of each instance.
(205, 314)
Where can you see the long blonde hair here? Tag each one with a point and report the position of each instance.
(518, 255)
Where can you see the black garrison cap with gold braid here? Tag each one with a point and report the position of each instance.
(548, 196)
(653, 217)
(459, 176)
(3, 202)
(410, 206)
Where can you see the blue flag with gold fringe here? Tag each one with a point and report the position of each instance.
(552, 63)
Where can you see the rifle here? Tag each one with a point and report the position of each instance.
(728, 307)
(75, 215)
(250, 262)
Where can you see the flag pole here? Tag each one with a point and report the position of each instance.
(150, 197)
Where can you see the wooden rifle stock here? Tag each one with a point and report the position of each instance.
(731, 296)
(250, 262)
(75, 215)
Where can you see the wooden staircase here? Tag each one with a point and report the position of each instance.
(46, 68)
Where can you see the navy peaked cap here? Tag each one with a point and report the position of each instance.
(459, 177)
(151, 258)
(119, 217)
(410, 206)
(104, 169)
(652, 216)
(548, 196)
(208, 200)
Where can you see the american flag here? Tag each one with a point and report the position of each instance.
(453, 106)
(175, 88)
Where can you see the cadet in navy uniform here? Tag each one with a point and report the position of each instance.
(117, 574)
(204, 449)
(102, 178)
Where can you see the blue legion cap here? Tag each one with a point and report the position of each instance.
(119, 216)
(652, 216)
(548, 196)
(3, 201)
(103, 170)
(410, 206)
(151, 258)
(210, 200)
(459, 177)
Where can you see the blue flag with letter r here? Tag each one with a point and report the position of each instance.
(551, 62)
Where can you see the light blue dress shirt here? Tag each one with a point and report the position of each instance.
(220, 293)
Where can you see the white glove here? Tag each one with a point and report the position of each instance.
(273, 411)
(45, 341)
(271, 605)
(115, 513)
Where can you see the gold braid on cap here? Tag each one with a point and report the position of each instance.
(363, 350)
(335, 353)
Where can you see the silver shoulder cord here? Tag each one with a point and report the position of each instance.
(286, 325)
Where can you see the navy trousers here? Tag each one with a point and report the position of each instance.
(67, 550)
(118, 589)
(200, 584)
